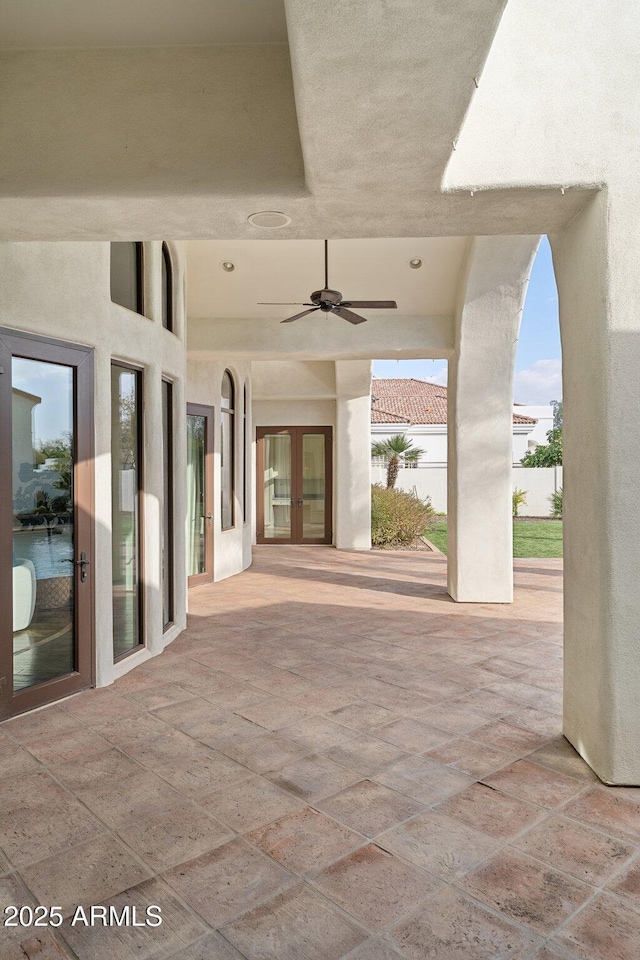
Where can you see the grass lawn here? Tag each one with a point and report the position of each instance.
(531, 538)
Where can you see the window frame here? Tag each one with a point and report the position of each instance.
(167, 288)
(140, 269)
(168, 511)
(246, 459)
(141, 598)
(230, 413)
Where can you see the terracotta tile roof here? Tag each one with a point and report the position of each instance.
(407, 400)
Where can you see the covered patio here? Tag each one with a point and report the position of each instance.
(333, 760)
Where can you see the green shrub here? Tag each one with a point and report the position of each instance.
(519, 499)
(556, 504)
(397, 518)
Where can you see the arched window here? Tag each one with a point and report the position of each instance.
(167, 288)
(227, 451)
(127, 275)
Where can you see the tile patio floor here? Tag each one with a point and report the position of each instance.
(333, 761)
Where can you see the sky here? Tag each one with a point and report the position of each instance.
(53, 384)
(538, 359)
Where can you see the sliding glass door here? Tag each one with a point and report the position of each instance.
(46, 509)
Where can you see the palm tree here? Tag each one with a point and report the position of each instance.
(395, 451)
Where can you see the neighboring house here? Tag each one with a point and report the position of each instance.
(418, 409)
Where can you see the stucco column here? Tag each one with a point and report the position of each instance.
(597, 261)
(480, 419)
(352, 456)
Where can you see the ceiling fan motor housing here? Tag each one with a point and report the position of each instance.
(330, 297)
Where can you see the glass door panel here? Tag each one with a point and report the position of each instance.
(44, 645)
(126, 445)
(199, 493)
(46, 521)
(294, 498)
(277, 488)
(196, 494)
(313, 486)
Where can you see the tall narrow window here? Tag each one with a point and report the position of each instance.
(167, 289)
(126, 476)
(245, 457)
(126, 276)
(167, 506)
(227, 450)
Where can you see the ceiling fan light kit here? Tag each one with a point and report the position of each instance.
(331, 301)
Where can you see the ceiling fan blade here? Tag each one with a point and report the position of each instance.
(298, 315)
(273, 304)
(373, 304)
(348, 315)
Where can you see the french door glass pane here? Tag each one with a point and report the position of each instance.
(313, 486)
(125, 486)
(43, 451)
(227, 479)
(277, 487)
(196, 461)
(167, 507)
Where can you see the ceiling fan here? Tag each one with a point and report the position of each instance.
(330, 301)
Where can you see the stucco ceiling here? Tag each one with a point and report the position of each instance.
(45, 24)
(348, 130)
(291, 269)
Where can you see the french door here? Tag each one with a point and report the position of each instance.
(294, 484)
(199, 493)
(46, 521)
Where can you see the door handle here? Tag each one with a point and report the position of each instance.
(208, 517)
(83, 563)
(300, 502)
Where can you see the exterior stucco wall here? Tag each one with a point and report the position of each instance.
(231, 548)
(326, 393)
(480, 419)
(431, 481)
(432, 438)
(62, 290)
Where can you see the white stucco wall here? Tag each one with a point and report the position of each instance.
(543, 414)
(326, 393)
(431, 481)
(231, 548)
(62, 290)
(432, 438)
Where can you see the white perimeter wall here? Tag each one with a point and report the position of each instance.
(431, 481)
(432, 438)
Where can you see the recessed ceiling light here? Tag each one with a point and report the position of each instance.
(269, 219)
(228, 266)
(415, 263)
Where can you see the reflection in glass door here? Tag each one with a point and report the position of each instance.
(43, 536)
(45, 411)
(199, 493)
(294, 500)
(276, 472)
(126, 534)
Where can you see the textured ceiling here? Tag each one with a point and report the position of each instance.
(348, 130)
(292, 269)
(45, 24)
